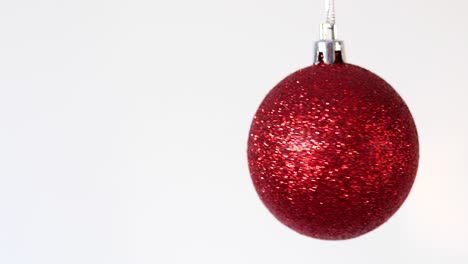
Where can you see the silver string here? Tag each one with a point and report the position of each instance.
(330, 11)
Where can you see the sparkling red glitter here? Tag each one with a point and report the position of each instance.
(333, 151)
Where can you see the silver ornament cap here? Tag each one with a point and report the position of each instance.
(328, 49)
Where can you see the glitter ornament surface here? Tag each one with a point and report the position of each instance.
(333, 151)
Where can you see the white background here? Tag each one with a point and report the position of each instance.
(123, 128)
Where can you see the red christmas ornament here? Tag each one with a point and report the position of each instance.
(333, 149)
